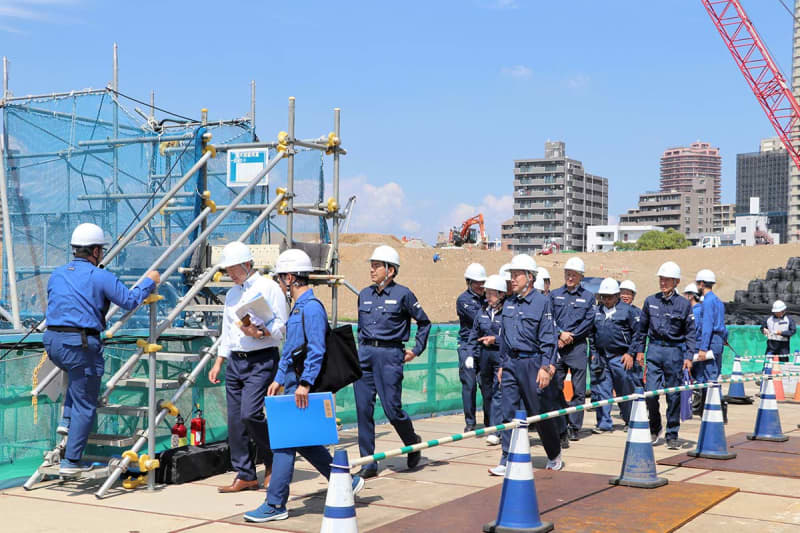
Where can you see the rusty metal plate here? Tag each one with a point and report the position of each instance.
(738, 441)
(746, 461)
(576, 502)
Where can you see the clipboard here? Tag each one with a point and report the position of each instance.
(292, 427)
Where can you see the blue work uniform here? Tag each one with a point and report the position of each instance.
(779, 343)
(573, 311)
(702, 371)
(468, 305)
(527, 343)
(487, 324)
(78, 298)
(669, 324)
(384, 325)
(612, 336)
(307, 324)
(713, 332)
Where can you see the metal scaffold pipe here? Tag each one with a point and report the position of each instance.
(335, 222)
(290, 177)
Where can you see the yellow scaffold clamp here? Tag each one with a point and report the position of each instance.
(333, 142)
(284, 205)
(171, 408)
(152, 298)
(162, 147)
(146, 464)
(217, 275)
(148, 347)
(210, 148)
(133, 482)
(283, 141)
(333, 205)
(131, 456)
(208, 202)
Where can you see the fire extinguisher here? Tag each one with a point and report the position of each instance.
(198, 426)
(178, 433)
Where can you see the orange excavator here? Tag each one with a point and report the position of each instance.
(466, 234)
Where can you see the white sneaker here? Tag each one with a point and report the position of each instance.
(555, 464)
(492, 440)
(499, 470)
(655, 436)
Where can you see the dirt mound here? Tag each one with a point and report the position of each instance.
(369, 239)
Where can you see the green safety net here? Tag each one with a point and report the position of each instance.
(430, 386)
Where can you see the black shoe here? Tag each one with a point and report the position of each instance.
(469, 427)
(625, 428)
(673, 444)
(367, 473)
(573, 434)
(414, 457)
(600, 431)
(564, 442)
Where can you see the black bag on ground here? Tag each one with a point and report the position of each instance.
(340, 365)
(190, 463)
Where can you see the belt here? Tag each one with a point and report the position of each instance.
(382, 344)
(85, 332)
(491, 348)
(669, 344)
(253, 353)
(516, 354)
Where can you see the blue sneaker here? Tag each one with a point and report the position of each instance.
(266, 513)
(63, 426)
(73, 468)
(358, 484)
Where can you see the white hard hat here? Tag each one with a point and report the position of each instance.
(670, 269)
(706, 275)
(691, 288)
(293, 261)
(475, 272)
(235, 253)
(523, 262)
(576, 264)
(539, 284)
(778, 306)
(495, 282)
(608, 286)
(505, 271)
(542, 273)
(628, 284)
(386, 254)
(88, 234)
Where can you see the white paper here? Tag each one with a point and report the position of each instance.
(709, 356)
(257, 307)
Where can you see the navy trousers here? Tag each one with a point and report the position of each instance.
(707, 371)
(490, 387)
(283, 461)
(84, 368)
(382, 375)
(468, 378)
(613, 378)
(519, 383)
(664, 369)
(246, 383)
(573, 358)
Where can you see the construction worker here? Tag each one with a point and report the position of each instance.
(78, 297)
(385, 311)
(778, 328)
(468, 305)
(251, 352)
(627, 293)
(573, 311)
(544, 275)
(528, 355)
(506, 273)
(306, 328)
(485, 347)
(539, 285)
(701, 371)
(613, 361)
(668, 322)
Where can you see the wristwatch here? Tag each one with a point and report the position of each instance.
(305, 383)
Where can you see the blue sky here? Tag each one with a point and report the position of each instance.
(438, 97)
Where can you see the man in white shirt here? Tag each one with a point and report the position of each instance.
(252, 355)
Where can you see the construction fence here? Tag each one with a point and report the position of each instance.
(431, 386)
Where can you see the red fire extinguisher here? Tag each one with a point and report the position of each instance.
(198, 426)
(178, 433)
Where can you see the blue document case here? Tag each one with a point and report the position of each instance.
(292, 427)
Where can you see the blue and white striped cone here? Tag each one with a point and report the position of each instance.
(639, 463)
(519, 507)
(711, 443)
(736, 392)
(768, 421)
(340, 510)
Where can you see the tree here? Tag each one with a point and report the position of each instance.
(662, 240)
(624, 246)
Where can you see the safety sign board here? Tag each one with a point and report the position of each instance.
(244, 165)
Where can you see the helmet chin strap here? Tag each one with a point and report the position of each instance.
(528, 284)
(387, 279)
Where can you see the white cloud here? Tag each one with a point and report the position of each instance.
(498, 4)
(520, 72)
(379, 208)
(578, 81)
(495, 210)
(35, 11)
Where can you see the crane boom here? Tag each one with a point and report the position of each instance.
(761, 72)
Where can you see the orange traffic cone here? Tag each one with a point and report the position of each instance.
(568, 391)
(796, 397)
(778, 383)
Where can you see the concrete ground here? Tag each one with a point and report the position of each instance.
(763, 503)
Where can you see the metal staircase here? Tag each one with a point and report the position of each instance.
(163, 393)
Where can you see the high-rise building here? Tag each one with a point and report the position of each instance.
(765, 175)
(690, 212)
(555, 199)
(724, 218)
(681, 166)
